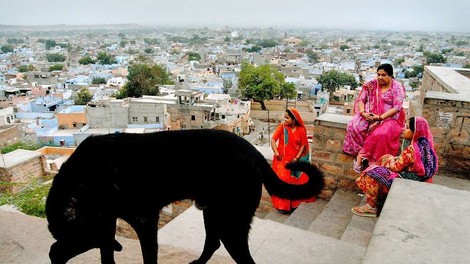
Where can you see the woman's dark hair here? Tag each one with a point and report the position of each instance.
(412, 124)
(388, 68)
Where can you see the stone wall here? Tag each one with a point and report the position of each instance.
(327, 154)
(9, 134)
(445, 103)
(22, 173)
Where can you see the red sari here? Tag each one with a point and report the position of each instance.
(288, 145)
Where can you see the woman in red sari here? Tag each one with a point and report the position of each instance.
(289, 144)
(418, 161)
(379, 119)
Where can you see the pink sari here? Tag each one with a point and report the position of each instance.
(373, 140)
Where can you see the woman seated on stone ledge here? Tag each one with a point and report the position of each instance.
(417, 161)
(378, 121)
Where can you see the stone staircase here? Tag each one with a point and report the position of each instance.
(429, 231)
(332, 219)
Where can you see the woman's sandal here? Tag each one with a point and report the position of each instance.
(365, 210)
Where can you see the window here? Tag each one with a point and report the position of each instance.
(193, 117)
(157, 119)
(145, 119)
(134, 119)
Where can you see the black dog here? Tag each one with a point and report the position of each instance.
(133, 176)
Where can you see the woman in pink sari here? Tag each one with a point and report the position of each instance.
(289, 144)
(378, 121)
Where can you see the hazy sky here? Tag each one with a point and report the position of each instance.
(414, 15)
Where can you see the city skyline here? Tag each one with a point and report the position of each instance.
(399, 15)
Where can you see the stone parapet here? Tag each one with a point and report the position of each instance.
(327, 154)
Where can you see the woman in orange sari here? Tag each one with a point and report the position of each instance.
(289, 144)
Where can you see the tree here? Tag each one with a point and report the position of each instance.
(148, 50)
(194, 56)
(313, 57)
(83, 96)
(105, 58)
(343, 47)
(7, 48)
(260, 83)
(50, 44)
(56, 67)
(26, 68)
(434, 58)
(288, 92)
(86, 60)
(98, 80)
(144, 79)
(55, 57)
(333, 79)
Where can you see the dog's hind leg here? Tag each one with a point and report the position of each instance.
(212, 242)
(234, 235)
(146, 229)
(108, 243)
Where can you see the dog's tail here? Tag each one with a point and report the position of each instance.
(312, 187)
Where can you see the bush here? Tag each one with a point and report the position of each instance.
(19, 145)
(31, 200)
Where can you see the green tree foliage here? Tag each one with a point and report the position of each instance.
(417, 70)
(333, 79)
(7, 48)
(343, 47)
(98, 80)
(253, 49)
(461, 43)
(15, 41)
(313, 57)
(398, 61)
(148, 50)
(86, 60)
(151, 41)
(466, 66)
(260, 83)
(83, 96)
(143, 79)
(434, 58)
(105, 58)
(26, 68)
(56, 67)
(50, 43)
(267, 43)
(55, 57)
(288, 92)
(194, 56)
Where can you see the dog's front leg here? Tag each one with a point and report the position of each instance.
(146, 229)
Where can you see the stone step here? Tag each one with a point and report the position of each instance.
(270, 242)
(305, 214)
(335, 217)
